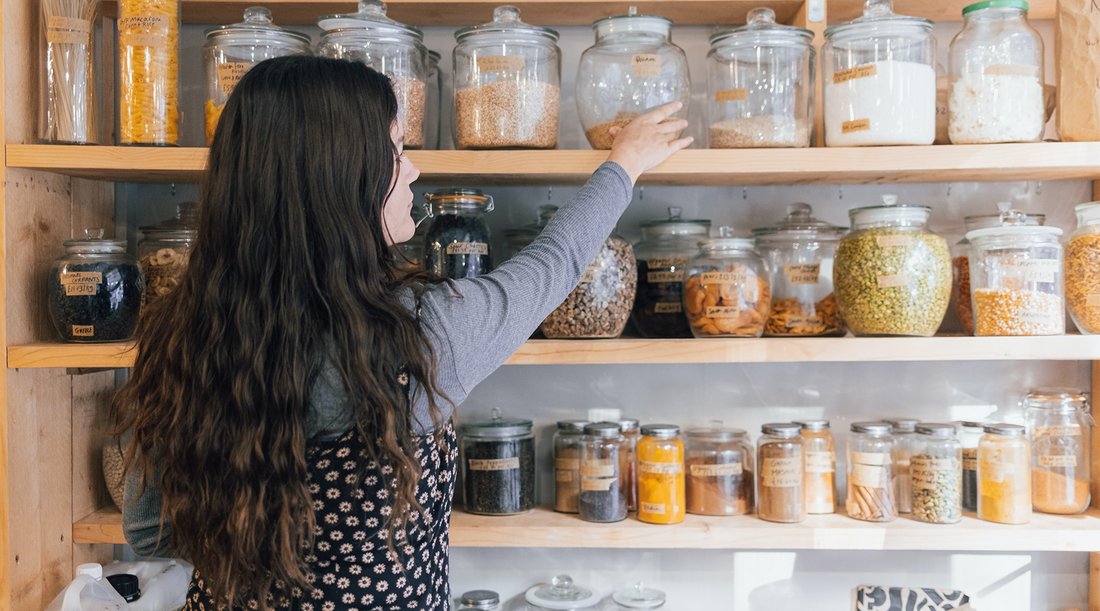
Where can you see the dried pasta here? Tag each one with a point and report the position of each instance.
(148, 48)
(68, 81)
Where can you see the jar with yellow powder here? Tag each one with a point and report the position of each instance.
(1004, 474)
(661, 491)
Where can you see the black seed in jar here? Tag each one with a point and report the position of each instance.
(603, 505)
(110, 314)
(499, 476)
(658, 308)
(458, 247)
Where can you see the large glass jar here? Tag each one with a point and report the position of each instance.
(661, 488)
(1004, 474)
(820, 474)
(719, 471)
(433, 103)
(507, 84)
(561, 594)
(871, 473)
(970, 434)
(149, 72)
(567, 464)
(1059, 427)
(662, 254)
(95, 290)
(392, 48)
(892, 274)
(905, 436)
(600, 305)
(479, 600)
(602, 498)
(632, 69)
(165, 249)
(996, 86)
(458, 244)
(67, 109)
(880, 79)
(631, 435)
(936, 474)
(637, 597)
(1082, 269)
(799, 252)
(781, 463)
(727, 292)
(760, 85)
(498, 466)
(1016, 278)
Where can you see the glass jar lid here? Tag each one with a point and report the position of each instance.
(453, 198)
(761, 30)
(726, 241)
(1008, 430)
(936, 429)
(1019, 4)
(982, 221)
(1055, 398)
(572, 426)
(878, 21)
(562, 593)
(185, 223)
(902, 425)
(506, 21)
(639, 597)
(716, 434)
(675, 225)
(799, 223)
(480, 599)
(786, 430)
(602, 429)
(257, 22)
(94, 242)
(890, 210)
(433, 60)
(967, 424)
(632, 22)
(628, 424)
(370, 19)
(661, 431)
(1013, 222)
(1087, 213)
(813, 425)
(498, 426)
(874, 429)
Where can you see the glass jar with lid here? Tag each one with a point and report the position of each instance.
(479, 600)
(458, 243)
(781, 458)
(1004, 474)
(600, 305)
(632, 69)
(568, 440)
(561, 594)
(936, 474)
(996, 81)
(232, 50)
(880, 79)
(661, 488)
(892, 274)
(662, 254)
(433, 103)
(1059, 426)
(68, 112)
(165, 249)
(498, 465)
(871, 473)
(905, 435)
(799, 252)
(507, 84)
(148, 73)
(637, 597)
(726, 292)
(969, 433)
(1082, 269)
(1016, 285)
(392, 48)
(760, 85)
(95, 290)
(820, 473)
(602, 498)
(719, 465)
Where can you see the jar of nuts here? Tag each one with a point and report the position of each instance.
(727, 293)
(164, 250)
(600, 305)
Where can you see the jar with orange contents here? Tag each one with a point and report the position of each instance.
(1004, 474)
(661, 493)
(727, 293)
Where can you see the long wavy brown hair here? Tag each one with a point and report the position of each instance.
(290, 268)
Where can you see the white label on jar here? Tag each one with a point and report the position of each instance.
(996, 471)
(598, 470)
(602, 484)
(660, 468)
(903, 458)
(740, 277)
(63, 37)
(869, 476)
(970, 459)
(666, 262)
(733, 468)
(468, 248)
(871, 458)
(923, 471)
(494, 464)
(859, 125)
(144, 22)
(589, 275)
(83, 331)
(1035, 317)
(1058, 430)
(1057, 461)
(843, 76)
(572, 464)
(802, 273)
(781, 472)
(667, 308)
(68, 23)
(501, 63)
(1092, 301)
(646, 65)
(1038, 270)
(797, 321)
(819, 462)
(731, 95)
(231, 73)
(562, 475)
(885, 241)
(656, 277)
(1010, 70)
(892, 281)
(723, 312)
(654, 508)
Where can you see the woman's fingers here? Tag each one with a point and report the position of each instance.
(662, 113)
(672, 127)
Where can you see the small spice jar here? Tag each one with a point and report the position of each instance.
(661, 494)
(148, 73)
(781, 459)
(719, 471)
(637, 597)
(936, 474)
(1082, 269)
(600, 305)
(561, 595)
(727, 292)
(905, 435)
(892, 274)
(95, 290)
(663, 253)
(970, 433)
(871, 489)
(479, 600)
(1004, 474)
(1016, 283)
(568, 440)
(165, 249)
(458, 243)
(498, 466)
(67, 111)
(629, 452)
(799, 252)
(760, 85)
(820, 475)
(602, 498)
(1059, 427)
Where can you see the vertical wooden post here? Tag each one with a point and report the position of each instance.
(1094, 581)
(802, 20)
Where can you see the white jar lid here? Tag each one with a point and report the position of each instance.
(92, 569)
(1014, 230)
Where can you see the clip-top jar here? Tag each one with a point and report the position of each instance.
(820, 474)
(760, 85)
(936, 474)
(568, 440)
(165, 249)
(1082, 269)
(781, 460)
(719, 467)
(632, 69)
(458, 244)
(905, 435)
(871, 472)
(662, 255)
(727, 293)
(498, 465)
(1004, 474)
(661, 488)
(1059, 426)
(95, 290)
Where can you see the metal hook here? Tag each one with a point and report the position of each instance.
(948, 189)
(1039, 188)
(840, 191)
(549, 193)
(641, 193)
(173, 189)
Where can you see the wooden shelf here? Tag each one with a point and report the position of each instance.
(545, 528)
(698, 167)
(936, 10)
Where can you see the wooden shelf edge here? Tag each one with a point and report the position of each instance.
(102, 526)
(76, 356)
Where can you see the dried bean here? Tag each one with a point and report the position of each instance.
(600, 305)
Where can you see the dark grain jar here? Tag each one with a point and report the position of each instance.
(458, 244)
(95, 290)
(498, 466)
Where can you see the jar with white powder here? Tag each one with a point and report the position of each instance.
(880, 79)
(996, 82)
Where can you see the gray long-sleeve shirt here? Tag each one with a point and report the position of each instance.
(471, 335)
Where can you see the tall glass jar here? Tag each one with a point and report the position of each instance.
(68, 112)
(726, 293)
(1004, 474)
(996, 86)
(892, 274)
(719, 471)
(458, 244)
(936, 474)
(498, 465)
(479, 600)
(507, 84)
(820, 473)
(95, 290)
(880, 79)
(600, 305)
(905, 436)
(392, 48)
(799, 252)
(433, 104)
(632, 69)
(602, 498)
(232, 50)
(661, 493)
(662, 255)
(760, 85)
(149, 72)
(781, 460)
(970, 433)
(1059, 427)
(631, 435)
(1082, 269)
(165, 249)
(568, 440)
(871, 473)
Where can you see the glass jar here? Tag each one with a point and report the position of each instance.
(905, 435)
(638, 597)
(760, 85)
(1082, 269)
(563, 595)
(507, 84)
(567, 464)
(433, 103)
(631, 70)
(892, 274)
(518, 238)
(820, 474)
(600, 305)
(1016, 278)
(781, 458)
(498, 466)
(95, 290)
(232, 50)
(799, 252)
(148, 72)
(629, 452)
(871, 473)
(392, 48)
(602, 498)
(1004, 474)
(661, 493)
(727, 292)
(68, 112)
(996, 76)
(662, 254)
(458, 244)
(719, 471)
(479, 600)
(1059, 428)
(165, 249)
(970, 433)
(936, 474)
(880, 79)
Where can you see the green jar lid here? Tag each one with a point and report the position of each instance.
(996, 4)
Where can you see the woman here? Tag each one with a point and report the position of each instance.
(291, 400)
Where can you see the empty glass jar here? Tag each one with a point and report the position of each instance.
(458, 244)
(871, 472)
(95, 290)
(1059, 426)
(719, 467)
(662, 254)
(726, 293)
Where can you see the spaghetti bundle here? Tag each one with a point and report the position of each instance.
(148, 50)
(68, 108)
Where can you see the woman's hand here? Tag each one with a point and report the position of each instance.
(648, 140)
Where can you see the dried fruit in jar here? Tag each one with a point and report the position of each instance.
(733, 302)
(792, 317)
(162, 269)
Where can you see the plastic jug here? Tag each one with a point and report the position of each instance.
(88, 592)
(163, 583)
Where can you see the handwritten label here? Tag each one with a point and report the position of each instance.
(562, 475)
(646, 65)
(733, 468)
(83, 331)
(781, 472)
(869, 476)
(923, 471)
(654, 508)
(598, 470)
(885, 241)
(572, 464)
(1037, 270)
(494, 464)
(68, 23)
(798, 321)
(723, 312)
(601, 485)
(468, 248)
(892, 281)
(667, 308)
(229, 74)
(970, 459)
(1011, 70)
(1057, 461)
(143, 40)
(1035, 317)
(1058, 430)
(144, 22)
(57, 37)
(996, 471)
(501, 63)
(859, 125)
(843, 76)
(666, 262)
(871, 458)
(740, 277)
(820, 462)
(731, 95)
(657, 277)
(589, 275)
(660, 468)
(81, 283)
(802, 273)
(1092, 301)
